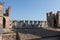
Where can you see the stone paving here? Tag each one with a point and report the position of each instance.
(28, 34)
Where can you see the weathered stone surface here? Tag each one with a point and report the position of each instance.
(27, 34)
(9, 36)
(4, 17)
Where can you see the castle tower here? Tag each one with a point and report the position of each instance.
(7, 18)
(58, 18)
(4, 17)
(50, 19)
(53, 20)
(1, 13)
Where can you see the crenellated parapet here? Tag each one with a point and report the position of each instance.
(30, 23)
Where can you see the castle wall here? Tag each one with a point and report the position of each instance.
(29, 24)
(1, 21)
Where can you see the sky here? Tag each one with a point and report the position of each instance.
(31, 9)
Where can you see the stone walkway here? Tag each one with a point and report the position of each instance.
(53, 29)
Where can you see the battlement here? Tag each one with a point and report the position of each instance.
(29, 23)
(58, 11)
(49, 14)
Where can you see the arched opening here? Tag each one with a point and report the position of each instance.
(55, 23)
(4, 22)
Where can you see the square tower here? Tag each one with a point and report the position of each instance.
(58, 18)
(52, 19)
(1, 13)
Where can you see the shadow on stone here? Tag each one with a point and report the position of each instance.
(43, 33)
(17, 36)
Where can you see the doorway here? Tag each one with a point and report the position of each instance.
(4, 22)
(55, 23)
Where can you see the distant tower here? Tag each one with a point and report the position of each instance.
(50, 19)
(53, 20)
(58, 18)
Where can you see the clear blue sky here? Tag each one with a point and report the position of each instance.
(31, 9)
